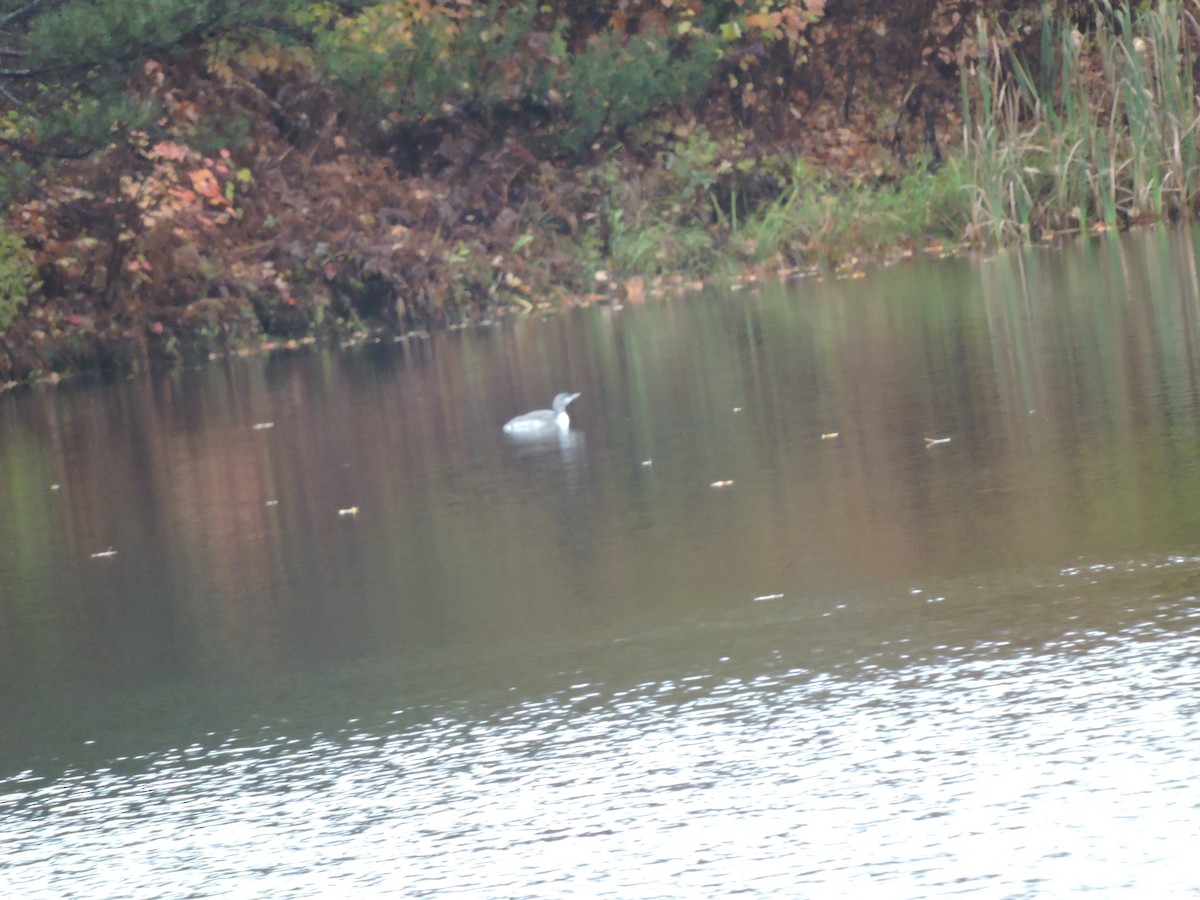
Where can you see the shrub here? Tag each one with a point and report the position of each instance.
(73, 90)
(409, 63)
(613, 84)
(17, 277)
(80, 37)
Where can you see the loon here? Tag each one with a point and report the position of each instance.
(542, 421)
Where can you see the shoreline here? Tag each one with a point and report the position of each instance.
(313, 225)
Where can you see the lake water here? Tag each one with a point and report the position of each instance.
(934, 631)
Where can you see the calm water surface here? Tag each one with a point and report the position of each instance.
(951, 650)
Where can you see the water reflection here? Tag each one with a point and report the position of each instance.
(864, 660)
(1067, 384)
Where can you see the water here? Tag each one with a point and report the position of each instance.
(872, 664)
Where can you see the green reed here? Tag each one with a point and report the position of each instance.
(1103, 128)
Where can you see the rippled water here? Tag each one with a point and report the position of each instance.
(870, 666)
(991, 767)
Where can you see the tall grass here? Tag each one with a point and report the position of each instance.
(1081, 129)
(825, 219)
(1099, 128)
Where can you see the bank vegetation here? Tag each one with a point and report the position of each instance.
(179, 180)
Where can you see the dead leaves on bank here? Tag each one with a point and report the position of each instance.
(310, 221)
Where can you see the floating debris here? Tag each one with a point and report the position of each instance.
(935, 442)
(55, 487)
(647, 463)
(737, 409)
(829, 436)
(104, 554)
(263, 426)
(348, 511)
(768, 597)
(722, 484)
(272, 503)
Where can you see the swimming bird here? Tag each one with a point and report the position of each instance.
(542, 421)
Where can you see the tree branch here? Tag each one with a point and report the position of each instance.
(18, 14)
(47, 154)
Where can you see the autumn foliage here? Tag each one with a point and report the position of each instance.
(293, 169)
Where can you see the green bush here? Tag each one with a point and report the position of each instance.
(612, 85)
(403, 67)
(83, 35)
(71, 91)
(17, 277)
(505, 61)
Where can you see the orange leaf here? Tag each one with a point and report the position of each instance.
(169, 150)
(764, 21)
(206, 185)
(190, 111)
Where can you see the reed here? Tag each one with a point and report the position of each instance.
(1102, 129)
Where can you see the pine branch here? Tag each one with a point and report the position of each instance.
(18, 14)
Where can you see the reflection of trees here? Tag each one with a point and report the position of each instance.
(1055, 373)
(461, 534)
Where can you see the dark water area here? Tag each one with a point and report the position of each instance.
(842, 587)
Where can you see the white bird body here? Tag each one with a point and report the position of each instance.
(542, 421)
